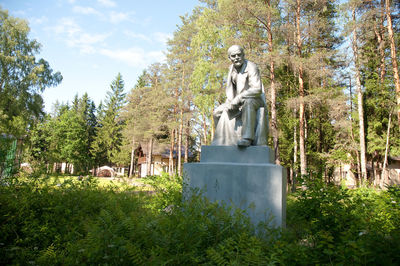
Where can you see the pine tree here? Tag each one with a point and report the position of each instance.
(180, 67)
(108, 140)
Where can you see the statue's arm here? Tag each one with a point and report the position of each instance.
(254, 89)
(254, 79)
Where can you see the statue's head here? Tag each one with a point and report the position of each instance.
(236, 55)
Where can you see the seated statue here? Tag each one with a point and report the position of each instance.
(242, 120)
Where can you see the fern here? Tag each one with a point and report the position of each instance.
(135, 254)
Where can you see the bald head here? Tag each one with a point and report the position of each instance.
(235, 48)
(236, 55)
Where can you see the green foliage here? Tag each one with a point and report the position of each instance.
(168, 191)
(8, 150)
(338, 225)
(107, 141)
(80, 223)
(66, 136)
(22, 76)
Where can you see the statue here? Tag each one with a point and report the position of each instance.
(242, 120)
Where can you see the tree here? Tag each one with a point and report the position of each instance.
(393, 57)
(85, 110)
(40, 142)
(22, 76)
(148, 109)
(180, 68)
(210, 67)
(131, 133)
(108, 140)
(257, 23)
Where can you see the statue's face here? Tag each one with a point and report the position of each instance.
(237, 58)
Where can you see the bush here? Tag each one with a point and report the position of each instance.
(80, 223)
(338, 225)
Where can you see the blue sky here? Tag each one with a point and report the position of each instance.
(90, 41)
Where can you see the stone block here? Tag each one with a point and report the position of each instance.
(244, 178)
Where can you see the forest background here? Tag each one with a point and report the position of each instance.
(329, 68)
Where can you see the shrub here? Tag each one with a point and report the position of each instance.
(81, 223)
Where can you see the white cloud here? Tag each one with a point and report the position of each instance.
(66, 26)
(117, 17)
(162, 37)
(71, 1)
(85, 10)
(107, 3)
(87, 42)
(134, 56)
(74, 36)
(139, 36)
(19, 13)
(38, 21)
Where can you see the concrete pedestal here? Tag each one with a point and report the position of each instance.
(245, 178)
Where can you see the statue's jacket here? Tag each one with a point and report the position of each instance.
(248, 85)
(248, 82)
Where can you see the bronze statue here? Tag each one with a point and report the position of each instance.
(242, 120)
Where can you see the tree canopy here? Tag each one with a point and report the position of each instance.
(22, 76)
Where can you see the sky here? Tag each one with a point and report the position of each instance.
(91, 41)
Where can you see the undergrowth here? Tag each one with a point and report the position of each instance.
(81, 223)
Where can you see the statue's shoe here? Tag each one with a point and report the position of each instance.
(244, 143)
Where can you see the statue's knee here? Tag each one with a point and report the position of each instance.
(250, 103)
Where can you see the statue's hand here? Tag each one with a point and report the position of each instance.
(227, 107)
(236, 101)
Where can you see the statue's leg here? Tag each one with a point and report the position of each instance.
(249, 117)
(217, 114)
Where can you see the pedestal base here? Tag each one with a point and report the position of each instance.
(244, 178)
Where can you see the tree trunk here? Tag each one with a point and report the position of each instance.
(204, 130)
(303, 159)
(394, 58)
(294, 155)
(384, 175)
(187, 133)
(150, 157)
(360, 106)
(180, 145)
(378, 29)
(352, 132)
(274, 127)
(132, 158)
(171, 154)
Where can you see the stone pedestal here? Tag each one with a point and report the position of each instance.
(245, 178)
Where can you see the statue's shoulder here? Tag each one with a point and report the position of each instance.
(250, 67)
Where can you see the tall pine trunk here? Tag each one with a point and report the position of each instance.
(303, 158)
(204, 130)
(393, 56)
(132, 158)
(294, 155)
(180, 145)
(360, 104)
(384, 176)
(171, 154)
(378, 29)
(352, 132)
(274, 127)
(187, 132)
(149, 156)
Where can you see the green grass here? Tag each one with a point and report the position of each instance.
(48, 221)
(103, 181)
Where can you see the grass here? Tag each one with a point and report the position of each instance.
(104, 181)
